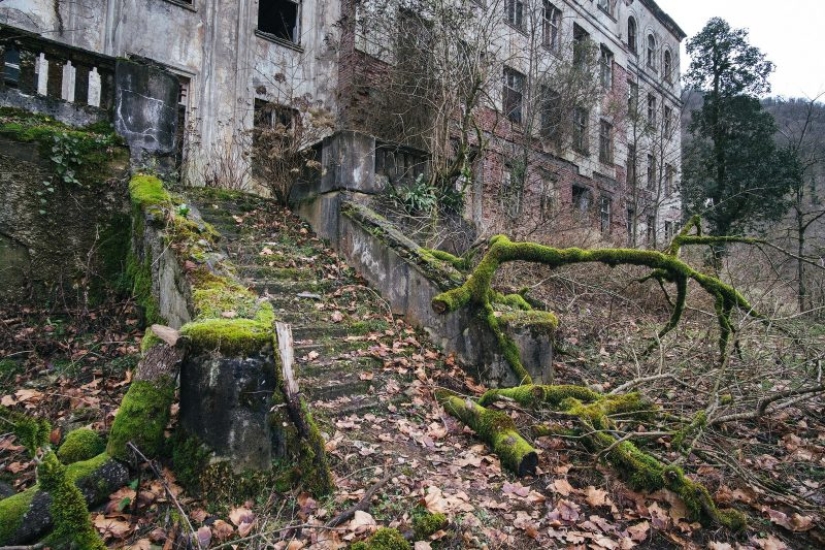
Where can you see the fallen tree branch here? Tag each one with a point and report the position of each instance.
(496, 428)
(362, 505)
(763, 404)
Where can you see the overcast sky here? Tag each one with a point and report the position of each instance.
(791, 33)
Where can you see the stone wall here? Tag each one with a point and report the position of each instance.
(60, 246)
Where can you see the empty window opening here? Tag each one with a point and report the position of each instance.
(513, 94)
(280, 18)
(651, 51)
(581, 200)
(581, 43)
(668, 67)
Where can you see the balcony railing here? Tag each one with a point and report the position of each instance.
(34, 65)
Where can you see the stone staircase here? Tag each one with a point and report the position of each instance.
(342, 330)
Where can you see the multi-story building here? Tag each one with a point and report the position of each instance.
(565, 112)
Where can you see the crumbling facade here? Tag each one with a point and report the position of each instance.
(548, 155)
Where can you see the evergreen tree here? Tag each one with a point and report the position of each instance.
(734, 175)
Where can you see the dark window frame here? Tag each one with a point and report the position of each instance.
(280, 20)
(513, 95)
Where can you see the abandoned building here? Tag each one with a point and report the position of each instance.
(576, 124)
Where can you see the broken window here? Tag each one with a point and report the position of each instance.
(604, 214)
(668, 231)
(581, 200)
(604, 5)
(551, 24)
(513, 94)
(668, 120)
(11, 72)
(280, 19)
(668, 66)
(515, 13)
(631, 35)
(605, 142)
(580, 141)
(606, 66)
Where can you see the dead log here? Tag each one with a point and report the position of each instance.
(497, 429)
(312, 462)
(146, 407)
(27, 516)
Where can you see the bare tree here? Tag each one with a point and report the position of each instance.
(802, 130)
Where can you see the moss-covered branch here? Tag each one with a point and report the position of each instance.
(593, 412)
(496, 428)
(666, 266)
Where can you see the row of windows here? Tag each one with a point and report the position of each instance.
(551, 34)
(650, 51)
(652, 172)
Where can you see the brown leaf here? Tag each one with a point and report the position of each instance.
(562, 487)
(111, 527)
(142, 544)
(336, 316)
(596, 497)
(245, 528)
(240, 515)
(222, 530)
(639, 531)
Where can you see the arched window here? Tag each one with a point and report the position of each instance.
(631, 34)
(651, 51)
(668, 66)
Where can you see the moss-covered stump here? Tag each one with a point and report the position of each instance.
(497, 429)
(28, 516)
(146, 407)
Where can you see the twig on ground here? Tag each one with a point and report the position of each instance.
(361, 505)
(169, 493)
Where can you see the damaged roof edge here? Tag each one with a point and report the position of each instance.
(664, 19)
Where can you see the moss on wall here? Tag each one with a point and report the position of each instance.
(63, 205)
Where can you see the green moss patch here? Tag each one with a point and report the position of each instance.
(142, 418)
(383, 539)
(148, 191)
(81, 444)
